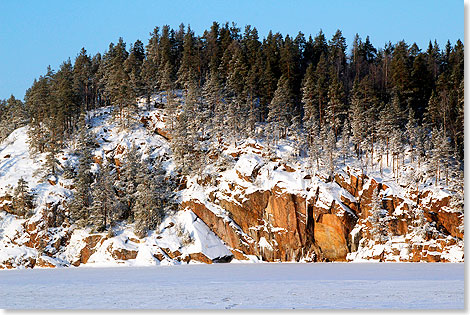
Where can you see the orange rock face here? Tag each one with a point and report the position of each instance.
(278, 226)
(332, 244)
(89, 249)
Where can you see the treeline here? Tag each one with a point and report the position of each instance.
(319, 79)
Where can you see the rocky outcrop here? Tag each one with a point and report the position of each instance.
(278, 226)
(124, 254)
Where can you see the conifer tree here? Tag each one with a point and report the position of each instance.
(133, 67)
(184, 134)
(310, 109)
(80, 205)
(412, 133)
(13, 114)
(335, 105)
(166, 83)
(104, 209)
(22, 199)
(51, 165)
(117, 82)
(357, 118)
(214, 109)
(378, 219)
(278, 116)
(345, 140)
(336, 54)
(82, 78)
(321, 88)
(187, 71)
(331, 152)
(148, 208)
(127, 183)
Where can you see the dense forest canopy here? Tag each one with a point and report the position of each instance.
(319, 78)
(315, 90)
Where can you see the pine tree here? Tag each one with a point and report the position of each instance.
(331, 152)
(421, 224)
(310, 110)
(412, 133)
(65, 105)
(396, 147)
(357, 118)
(38, 101)
(278, 116)
(184, 134)
(148, 207)
(13, 114)
(345, 140)
(166, 83)
(82, 78)
(314, 145)
(104, 210)
(321, 88)
(336, 53)
(440, 154)
(117, 81)
(22, 199)
(215, 109)
(80, 205)
(335, 105)
(378, 219)
(187, 71)
(133, 67)
(51, 165)
(127, 183)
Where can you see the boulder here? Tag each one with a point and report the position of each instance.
(200, 257)
(124, 254)
(332, 243)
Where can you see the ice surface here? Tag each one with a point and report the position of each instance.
(224, 286)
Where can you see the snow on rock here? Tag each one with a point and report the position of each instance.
(248, 205)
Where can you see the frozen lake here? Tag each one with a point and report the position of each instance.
(223, 286)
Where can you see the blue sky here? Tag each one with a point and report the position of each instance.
(35, 34)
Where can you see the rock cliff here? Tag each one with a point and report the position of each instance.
(246, 205)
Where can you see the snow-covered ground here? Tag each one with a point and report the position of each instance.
(225, 286)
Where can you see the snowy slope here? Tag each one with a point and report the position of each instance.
(183, 236)
(16, 162)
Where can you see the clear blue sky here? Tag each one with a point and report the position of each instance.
(35, 34)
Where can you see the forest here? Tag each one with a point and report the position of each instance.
(334, 102)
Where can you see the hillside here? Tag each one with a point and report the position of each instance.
(250, 201)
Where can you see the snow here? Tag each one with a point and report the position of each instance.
(203, 241)
(251, 169)
(238, 286)
(263, 243)
(15, 161)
